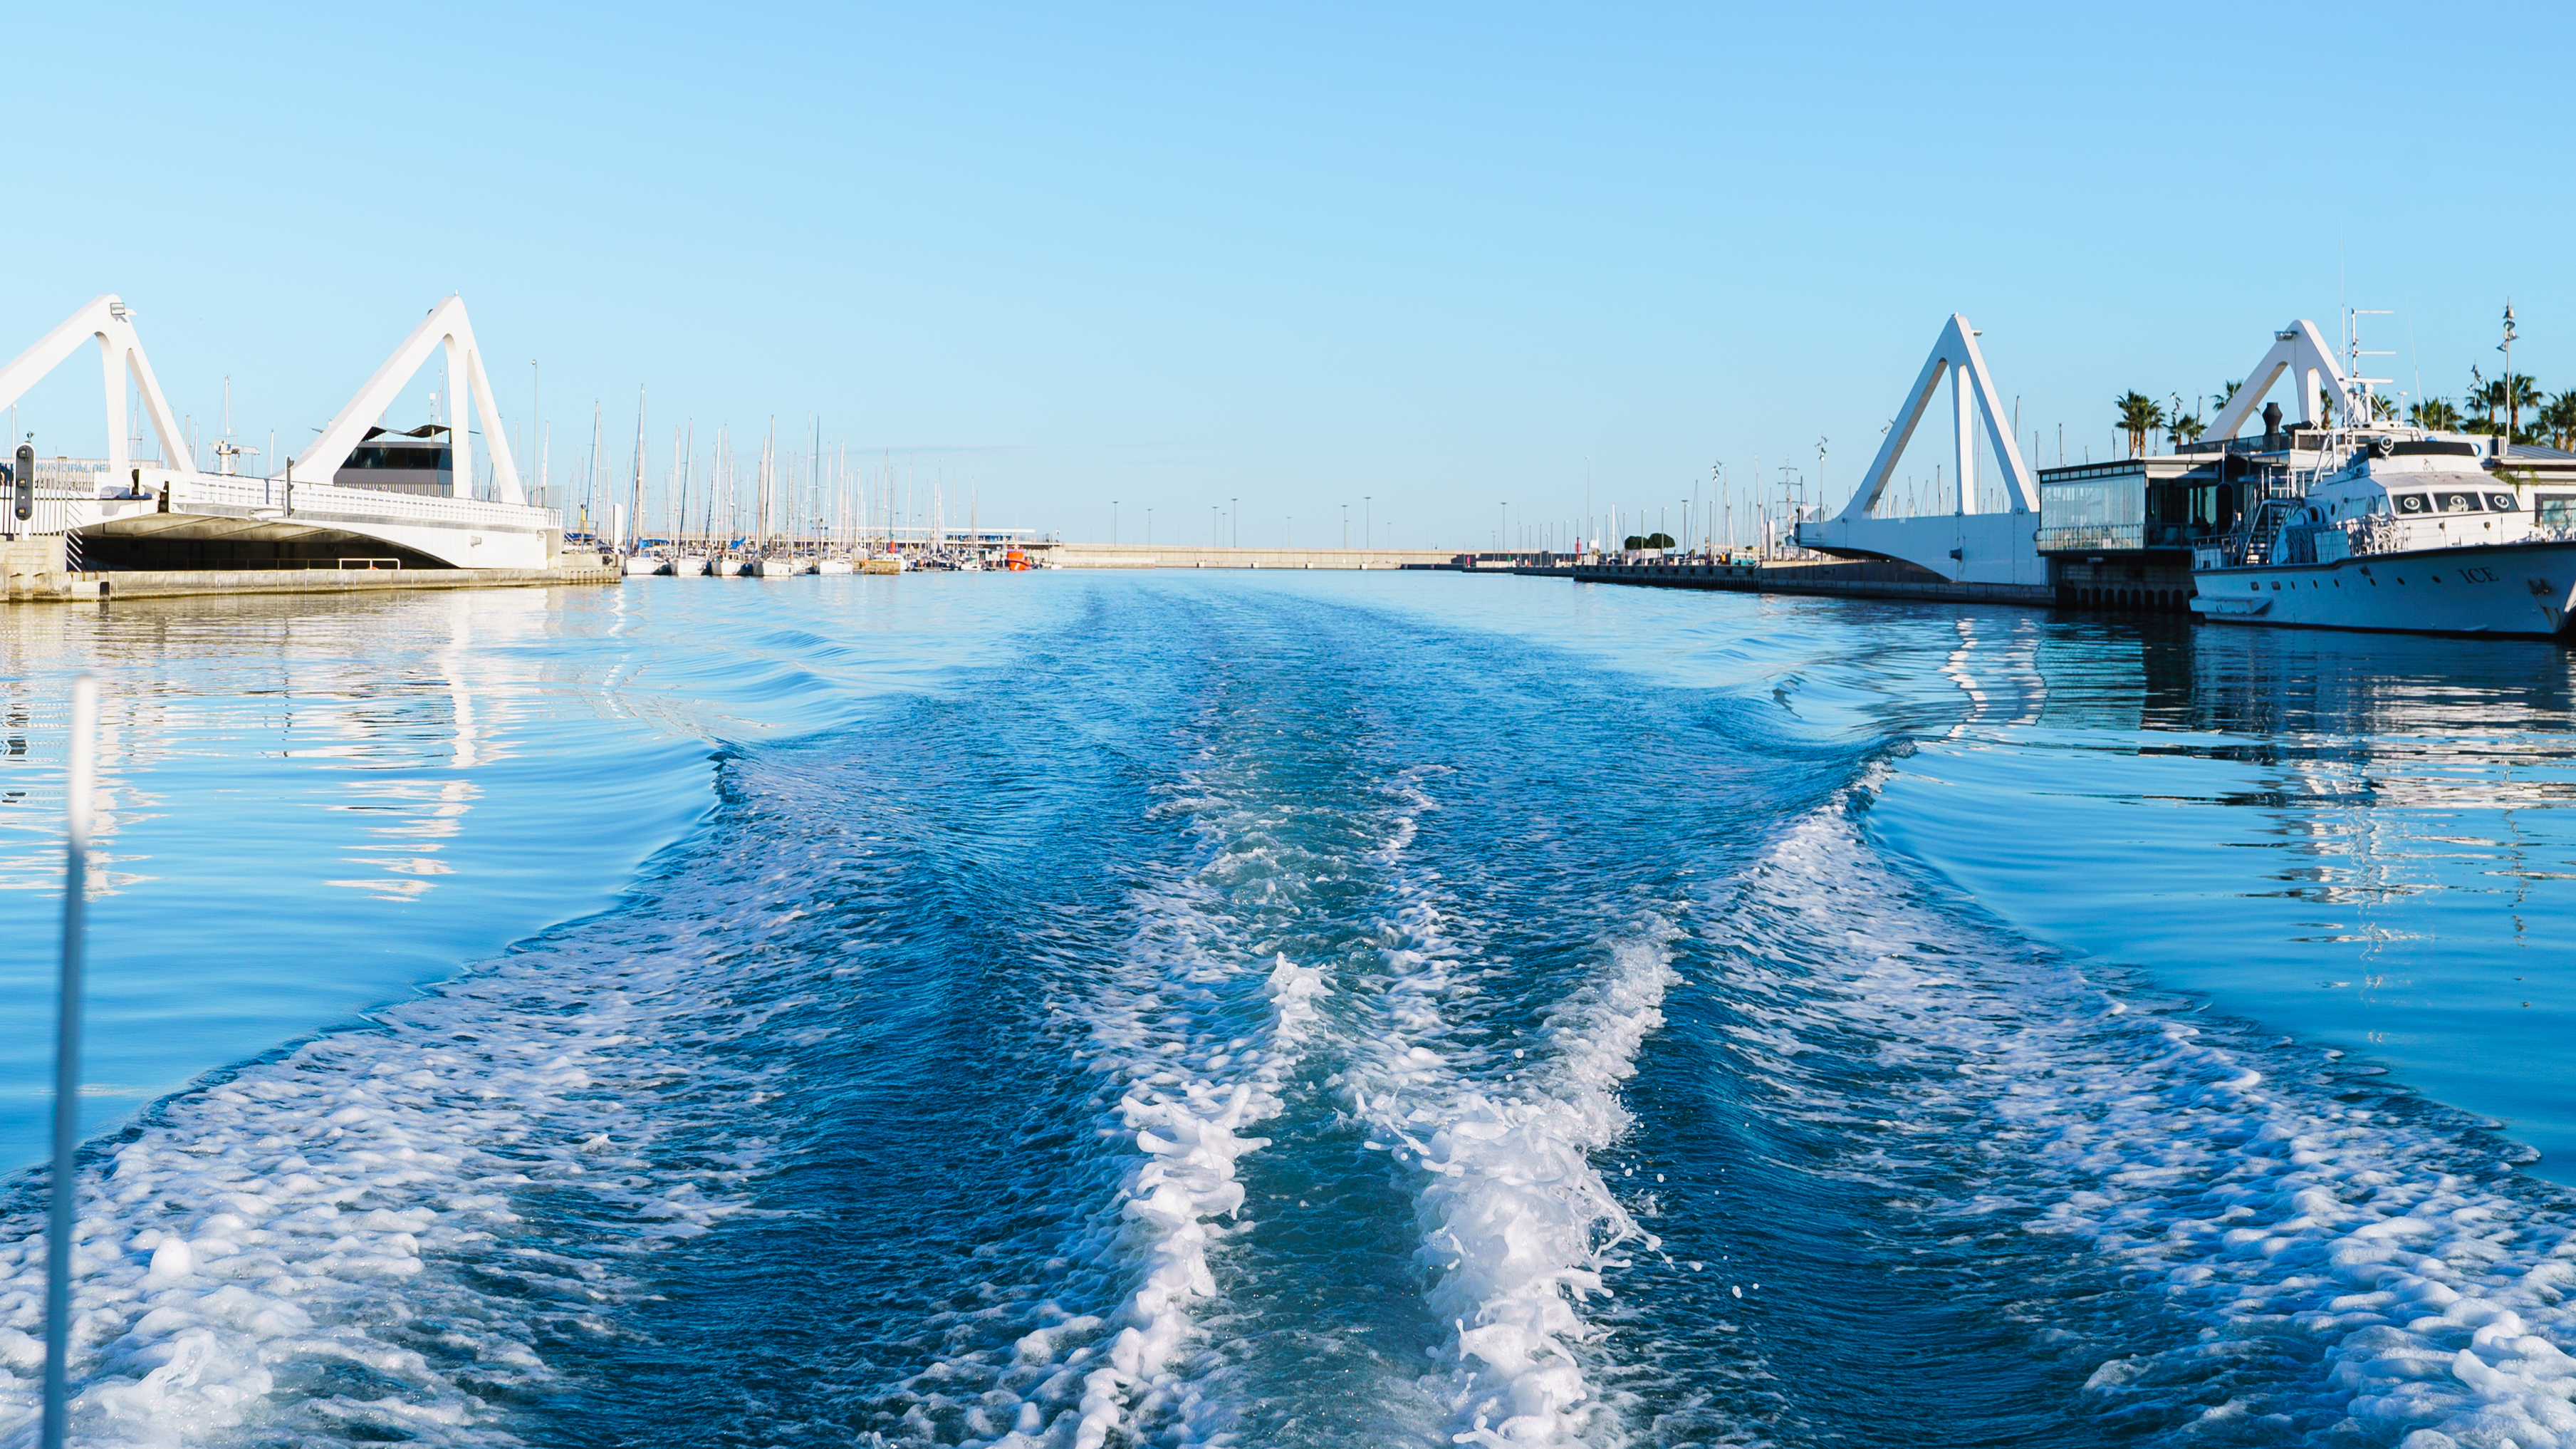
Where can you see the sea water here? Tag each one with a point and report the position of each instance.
(1076, 1009)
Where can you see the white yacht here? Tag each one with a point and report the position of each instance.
(2391, 527)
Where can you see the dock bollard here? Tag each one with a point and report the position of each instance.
(79, 751)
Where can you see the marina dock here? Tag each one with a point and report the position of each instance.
(1852, 580)
(197, 583)
(1185, 556)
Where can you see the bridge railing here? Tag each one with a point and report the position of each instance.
(58, 509)
(68, 491)
(376, 503)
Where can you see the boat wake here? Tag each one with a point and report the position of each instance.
(1278, 1052)
(2281, 1248)
(339, 1243)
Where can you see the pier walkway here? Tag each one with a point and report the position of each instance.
(1183, 556)
(1865, 580)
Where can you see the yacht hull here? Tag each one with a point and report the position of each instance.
(2521, 590)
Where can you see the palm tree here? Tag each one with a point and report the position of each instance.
(2520, 392)
(2557, 420)
(2184, 428)
(2434, 415)
(2486, 397)
(2141, 415)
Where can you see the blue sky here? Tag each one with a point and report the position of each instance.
(1435, 256)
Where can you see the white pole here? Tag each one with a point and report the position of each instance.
(67, 1023)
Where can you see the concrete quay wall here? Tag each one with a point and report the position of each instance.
(1844, 580)
(1177, 556)
(63, 587)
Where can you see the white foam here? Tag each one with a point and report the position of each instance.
(1188, 1069)
(2428, 1291)
(1189, 1134)
(1517, 1223)
(261, 1248)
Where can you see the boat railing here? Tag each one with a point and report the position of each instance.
(2251, 541)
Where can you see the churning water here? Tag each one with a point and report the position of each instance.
(1264, 1010)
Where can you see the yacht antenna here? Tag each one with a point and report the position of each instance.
(2355, 352)
(2512, 404)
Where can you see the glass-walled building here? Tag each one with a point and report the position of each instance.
(2120, 534)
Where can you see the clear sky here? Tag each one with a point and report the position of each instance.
(1437, 257)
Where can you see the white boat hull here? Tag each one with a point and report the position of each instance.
(834, 566)
(689, 568)
(640, 566)
(778, 568)
(2517, 589)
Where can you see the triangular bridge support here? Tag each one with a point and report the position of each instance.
(1972, 398)
(1959, 543)
(2300, 351)
(104, 320)
(445, 326)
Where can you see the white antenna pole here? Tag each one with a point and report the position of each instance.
(79, 751)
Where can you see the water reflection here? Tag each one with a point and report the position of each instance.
(288, 788)
(2355, 838)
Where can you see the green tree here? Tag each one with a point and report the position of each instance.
(2185, 428)
(2141, 415)
(2434, 415)
(2487, 397)
(2557, 421)
(2521, 395)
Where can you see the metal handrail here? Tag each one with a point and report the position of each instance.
(371, 502)
(2066, 538)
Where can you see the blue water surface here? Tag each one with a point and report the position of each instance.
(1076, 1008)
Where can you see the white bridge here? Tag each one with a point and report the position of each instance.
(1959, 544)
(175, 514)
(2006, 546)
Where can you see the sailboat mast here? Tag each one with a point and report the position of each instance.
(768, 482)
(635, 489)
(689, 460)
